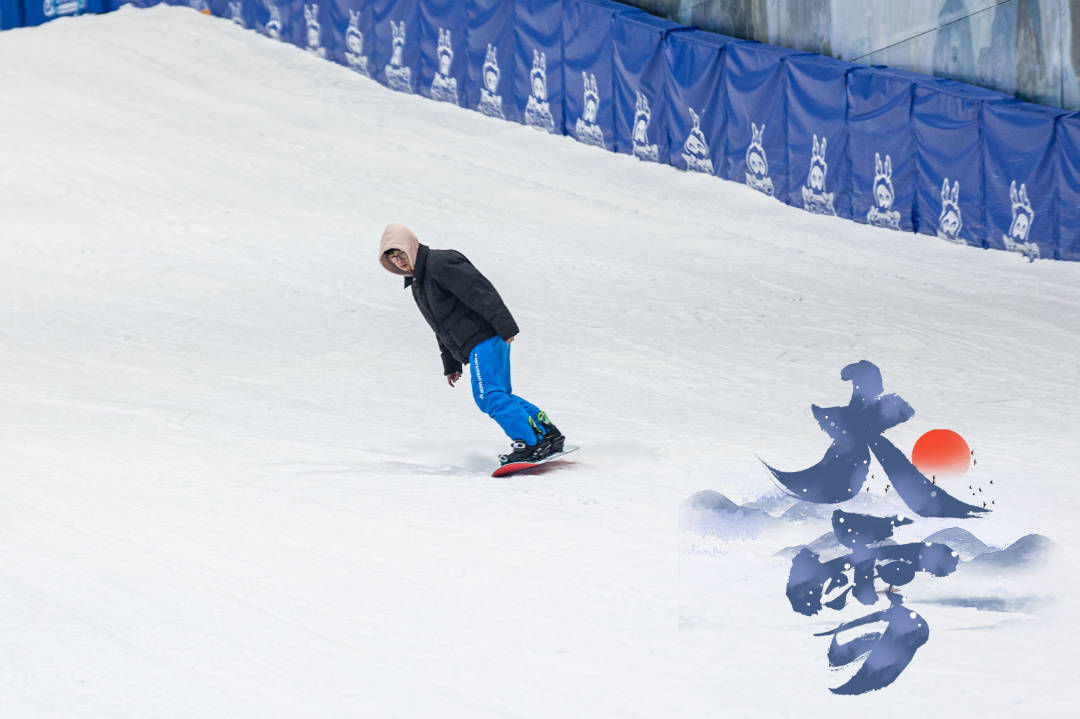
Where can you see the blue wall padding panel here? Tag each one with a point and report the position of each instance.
(640, 85)
(537, 69)
(588, 56)
(443, 50)
(754, 87)
(490, 40)
(396, 53)
(1067, 149)
(946, 123)
(881, 148)
(1020, 176)
(11, 14)
(264, 18)
(696, 106)
(295, 25)
(36, 12)
(348, 33)
(314, 22)
(111, 5)
(819, 177)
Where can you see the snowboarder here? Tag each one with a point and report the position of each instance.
(472, 325)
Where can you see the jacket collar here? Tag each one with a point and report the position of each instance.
(421, 266)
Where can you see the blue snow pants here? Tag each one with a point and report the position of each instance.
(489, 366)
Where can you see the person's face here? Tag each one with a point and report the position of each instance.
(400, 260)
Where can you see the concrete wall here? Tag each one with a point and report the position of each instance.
(1027, 48)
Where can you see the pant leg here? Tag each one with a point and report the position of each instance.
(528, 407)
(489, 370)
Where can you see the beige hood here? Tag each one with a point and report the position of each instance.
(398, 237)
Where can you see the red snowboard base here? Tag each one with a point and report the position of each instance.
(515, 467)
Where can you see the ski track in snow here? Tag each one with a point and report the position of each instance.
(236, 484)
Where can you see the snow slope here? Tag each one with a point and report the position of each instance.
(234, 482)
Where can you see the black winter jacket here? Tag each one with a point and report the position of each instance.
(459, 303)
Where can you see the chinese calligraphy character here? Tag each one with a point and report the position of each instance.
(811, 581)
(856, 431)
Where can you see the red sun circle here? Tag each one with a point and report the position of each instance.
(941, 451)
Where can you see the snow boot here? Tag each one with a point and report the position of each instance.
(525, 453)
(550, 434)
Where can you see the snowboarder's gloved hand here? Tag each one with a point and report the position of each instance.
(452, 378)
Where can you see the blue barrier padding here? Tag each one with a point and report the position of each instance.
(819, 176)
(232, 10)
(396, 54)
(36, 12)
(490, 59)
(1021, 174)
(696, 107)
(1067, 149)
(265, 18)
(640, 74)
(881, 148)
(312, 20)
(220, 8)
(754, 86)
(443, 50)
(537, 70)
(589, 110)
(111, 5)
(348, 33)
(949, 197)
(11, 14)
(300, 25)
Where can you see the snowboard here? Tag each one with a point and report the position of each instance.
(515, 467)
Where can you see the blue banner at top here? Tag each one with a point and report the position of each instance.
(489, 34)
(949, 198)
(1021, 172)
(301, 25)
(347, 33)
(881, 148)
(640, 75)
(754, 87)
(11, 14)
(1067, 149)
(696, 104)
(443, 50)
(819, 177)
(264, 17)
(396, 53)
(315, 29)
(588, 57)
(36, 12)
(537, 70)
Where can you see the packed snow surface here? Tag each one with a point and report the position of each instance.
(235, 483)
